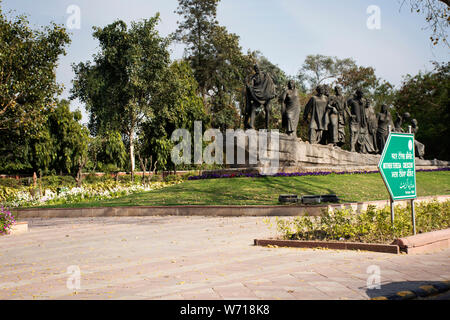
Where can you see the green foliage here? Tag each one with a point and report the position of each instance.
(175, 106)
(28, 60)
(318, 69)
(59, 144)
(108, 152)
(118, 89)
(28, 89)
(426, 97)
(216, 58)
(227, 68)
(356, 77)
(265, 191)
(370, 226)
(195, 29)
(70, 139)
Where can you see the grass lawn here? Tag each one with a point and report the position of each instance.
(265, 191)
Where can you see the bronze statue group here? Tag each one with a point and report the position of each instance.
(328, 114)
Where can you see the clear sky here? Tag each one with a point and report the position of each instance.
(285, 31)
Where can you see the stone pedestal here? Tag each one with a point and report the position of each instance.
(296, 155)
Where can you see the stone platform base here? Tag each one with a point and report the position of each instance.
(296, 155)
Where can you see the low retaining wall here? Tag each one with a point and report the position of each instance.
(421, 243)
(211, 211)
(426, 242)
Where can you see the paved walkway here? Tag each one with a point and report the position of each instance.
(193, 258)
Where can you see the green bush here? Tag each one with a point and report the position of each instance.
(15, 183)
(172, 178)
(156, 177)
(369, 226)
(52, 182)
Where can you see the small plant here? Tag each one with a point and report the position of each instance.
(172, 178)
(6, 221)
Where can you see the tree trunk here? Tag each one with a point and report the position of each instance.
(40, 183)
(132, 160)
(143, 167)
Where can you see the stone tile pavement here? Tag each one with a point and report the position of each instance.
(194, 258)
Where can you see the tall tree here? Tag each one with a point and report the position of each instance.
(28, 61)
(69, 137)
(318, 69)
(228, 68)
(195, 29)
(358, 77)
(176, 105)
(426, 97)
(118, 88)
(60, 143)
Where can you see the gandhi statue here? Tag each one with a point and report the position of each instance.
(260, 90)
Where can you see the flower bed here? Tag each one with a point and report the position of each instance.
(30, 197)
(371, 226)
(293, 174)
(6, 221)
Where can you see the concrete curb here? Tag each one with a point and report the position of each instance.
(375, 247)
(420, 243)
(420, 292)
(209, 211)
(424, 242)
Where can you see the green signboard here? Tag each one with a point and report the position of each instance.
(397, 166)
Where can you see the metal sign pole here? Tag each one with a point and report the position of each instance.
(413, 216)
(392, 213)
(413, 211)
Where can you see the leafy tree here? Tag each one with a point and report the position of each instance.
(176, 105)
(108, 151)
(358, 77)
(26, 149)
(318, 69)
(384, 93)
(60, 143)
(28, 60)
(70, 139)
(228, 68)
(28, 90)
(426, 97)
(195, 30)
(119, 87)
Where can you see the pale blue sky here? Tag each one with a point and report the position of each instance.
(285, 31)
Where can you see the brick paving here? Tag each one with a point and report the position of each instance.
(194, 258)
